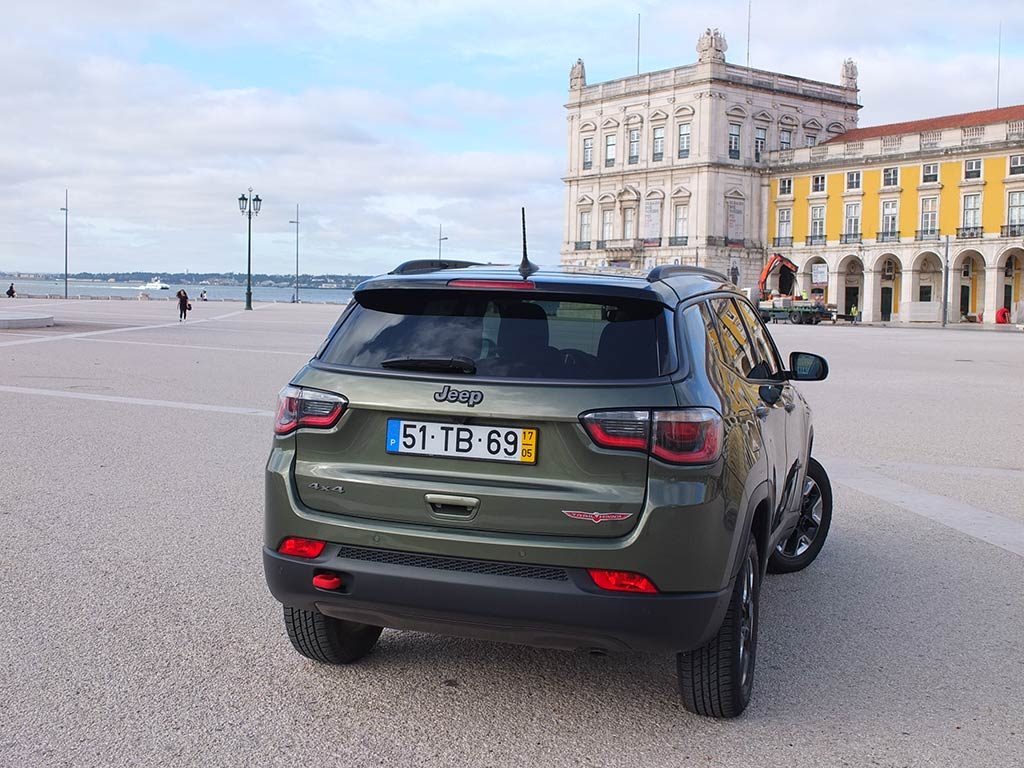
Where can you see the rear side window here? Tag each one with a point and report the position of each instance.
(513, 335)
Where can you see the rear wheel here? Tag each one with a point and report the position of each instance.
(805, 542)
(796, 318)
(331, 641)
(716, 680)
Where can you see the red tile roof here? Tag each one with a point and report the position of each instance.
(964, 120)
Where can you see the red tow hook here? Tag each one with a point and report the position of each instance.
(328, 581)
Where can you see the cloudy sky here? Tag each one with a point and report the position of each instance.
(384, 118)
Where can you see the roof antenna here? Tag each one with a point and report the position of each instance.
(526, 267)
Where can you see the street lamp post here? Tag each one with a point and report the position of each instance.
(249, 206)
(296, 223)
(439, 240)
(65, 209)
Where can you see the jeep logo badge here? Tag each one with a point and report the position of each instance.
(468, 397)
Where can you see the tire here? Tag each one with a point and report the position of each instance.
(795, 318)
(717, 679)
(328, 640)
(803, 545)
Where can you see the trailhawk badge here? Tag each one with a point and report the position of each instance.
(596, 517)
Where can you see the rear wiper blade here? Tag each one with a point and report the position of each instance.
(458, 363)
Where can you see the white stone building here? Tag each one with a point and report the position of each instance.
(670, 167)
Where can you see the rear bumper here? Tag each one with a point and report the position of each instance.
(547, 607)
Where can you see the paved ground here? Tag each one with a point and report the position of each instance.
(137, 630)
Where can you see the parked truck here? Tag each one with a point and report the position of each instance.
(784, 305)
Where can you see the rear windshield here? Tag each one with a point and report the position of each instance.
(522, 336)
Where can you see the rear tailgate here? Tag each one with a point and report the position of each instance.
(574, 488)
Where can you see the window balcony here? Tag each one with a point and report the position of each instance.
(609, 162)
(890, 236)
(1012, 230)
(968, 233)
(782, 242)
(634, 159)
(815, 240)
(678, 240)
(734, 154)
(587, 165)
(600, 245)
(926, 234)
(582, 245)
(1016, 169)
(850, 237)
(628, 245)
(652, 242)
(684, 153)
(658, 157)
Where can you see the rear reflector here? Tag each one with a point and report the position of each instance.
(296, 546)
(622, 581)
(493, 285)
(327, 581)
(298, 407)
(675, 436)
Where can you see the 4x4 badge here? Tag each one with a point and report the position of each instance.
(596, 517)
(468, 397)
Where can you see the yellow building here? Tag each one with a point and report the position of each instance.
(892, 213)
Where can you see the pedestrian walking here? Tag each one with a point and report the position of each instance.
(202, 295)
(11, 292)
(855, 314)
(183, 305)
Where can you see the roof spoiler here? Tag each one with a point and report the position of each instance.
(418, 266)
(670, 270)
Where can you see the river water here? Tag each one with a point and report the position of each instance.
(81, 288)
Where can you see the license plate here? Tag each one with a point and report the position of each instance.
(457, 441)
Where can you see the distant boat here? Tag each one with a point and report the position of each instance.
(328, 285)
(155, 284)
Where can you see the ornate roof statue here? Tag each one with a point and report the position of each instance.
(849, 74)
(711, 46)
(577, 76)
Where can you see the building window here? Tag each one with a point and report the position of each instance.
(930, 173)
(890, 177)
(785, 186)
(785, 139)
(929, 216)
(1016, 164)
(734, 141)
(818, 183)
(890, 217)
(760, 139)
(853, 180)
(818, 221)
(607, 219)
(1015, 211)
(658, 149)
(634, 145)
(684, 140)
(853, 219)
(972, 210)
(785, 222)
(972, 169)
(629, 223)
(810, 139)
(588, 154)
(609, 150)
(584, 226)
(680, 227)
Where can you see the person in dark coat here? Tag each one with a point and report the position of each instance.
(183, 305)
(10, 292)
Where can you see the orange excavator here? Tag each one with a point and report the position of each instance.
(776, 260)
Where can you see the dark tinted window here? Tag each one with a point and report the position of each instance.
(735, 346)
(515, 335)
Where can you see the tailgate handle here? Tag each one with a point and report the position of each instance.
(452, 507)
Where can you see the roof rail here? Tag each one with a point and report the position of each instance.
(431, 265)
(670, 270)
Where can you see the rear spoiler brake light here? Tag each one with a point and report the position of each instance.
(493, 285)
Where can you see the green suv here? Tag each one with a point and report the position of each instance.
(581, 461)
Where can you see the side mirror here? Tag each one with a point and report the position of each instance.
(806, 366)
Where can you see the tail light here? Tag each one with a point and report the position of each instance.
(493, 285)
(298, 408)
(296, 546)
(679, 436)
(622, 581)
